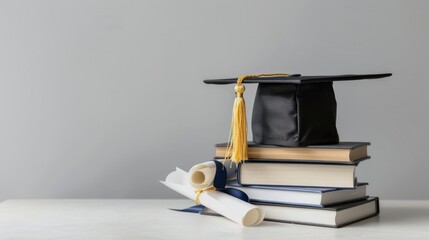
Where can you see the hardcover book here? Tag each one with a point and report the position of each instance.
(305, 196)
(335, 217)
(341, 152)
(297, 174)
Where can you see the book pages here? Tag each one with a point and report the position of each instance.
(226, 205)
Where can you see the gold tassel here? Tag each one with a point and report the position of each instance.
(237, 142)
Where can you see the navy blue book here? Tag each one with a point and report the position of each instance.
(304, 196)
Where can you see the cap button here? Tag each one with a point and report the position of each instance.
(239, 89)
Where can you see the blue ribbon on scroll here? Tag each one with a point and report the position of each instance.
(219, 183)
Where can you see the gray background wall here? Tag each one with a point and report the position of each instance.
(104, 98)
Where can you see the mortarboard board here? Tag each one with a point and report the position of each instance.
(289, 110)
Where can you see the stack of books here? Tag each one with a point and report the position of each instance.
(314, 185)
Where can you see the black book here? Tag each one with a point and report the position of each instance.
(335, 216)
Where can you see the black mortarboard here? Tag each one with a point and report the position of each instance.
(292, 110)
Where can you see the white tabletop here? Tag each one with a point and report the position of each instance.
(151, 219)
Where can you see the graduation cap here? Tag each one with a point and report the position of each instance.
(289, 110)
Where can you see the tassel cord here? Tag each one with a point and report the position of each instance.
(237, 147)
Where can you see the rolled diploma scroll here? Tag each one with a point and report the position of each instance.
(202, 175)
(226, 205)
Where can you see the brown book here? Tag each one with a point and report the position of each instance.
(341, 152)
